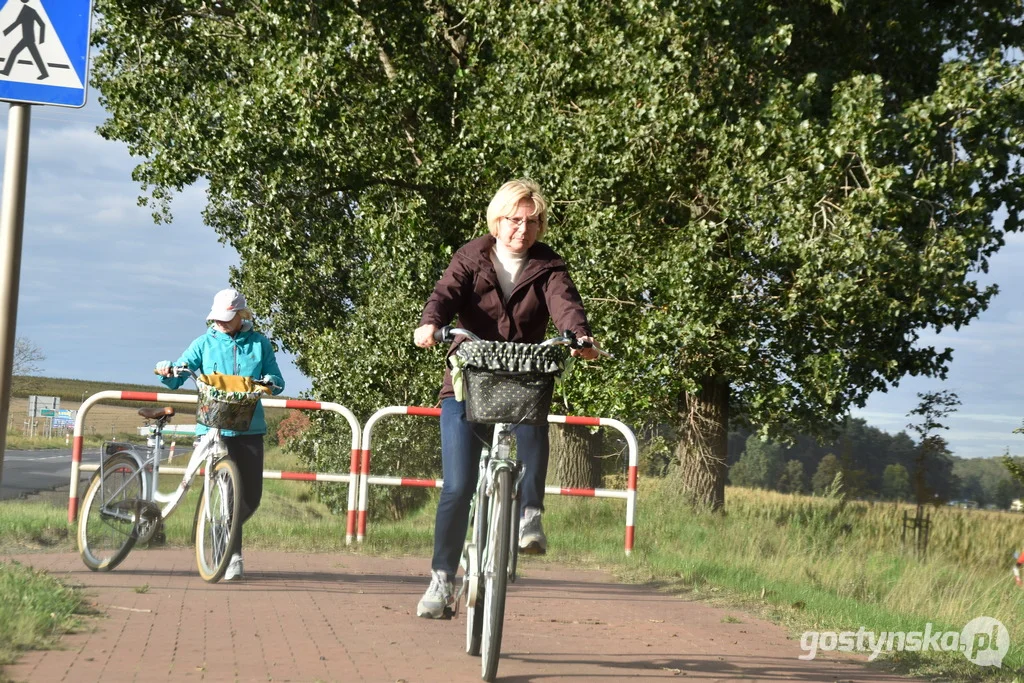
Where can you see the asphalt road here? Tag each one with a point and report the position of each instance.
(28, 472)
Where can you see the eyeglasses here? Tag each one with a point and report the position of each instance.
(518, 222)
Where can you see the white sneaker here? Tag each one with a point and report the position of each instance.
(440, 594)
(234, 571)
(532, 540)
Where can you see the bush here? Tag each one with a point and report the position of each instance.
(292, 427)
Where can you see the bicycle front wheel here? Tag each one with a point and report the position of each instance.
(107, 520)
(217, 526)
(496, 572)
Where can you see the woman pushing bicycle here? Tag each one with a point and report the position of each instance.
(502, 287)
(231, 346)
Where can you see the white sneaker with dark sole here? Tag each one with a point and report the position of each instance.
(235, 570)
(532, 540)
(439, 596)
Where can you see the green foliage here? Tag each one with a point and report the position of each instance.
(760, 466)
(741, 191)
(932, 464)
(792, 478)
(896, 483)
(1013, 467)
(828, 469)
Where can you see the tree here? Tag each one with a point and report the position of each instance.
(933, 465)
(574, 451)
(27, 356)
(826, 473)
(792, 479)
(760, 466)
(761, 213)
(896, 483)
(1007, 490)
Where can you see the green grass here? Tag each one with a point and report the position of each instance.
(18, 442)
(804, 563)
(36, 609)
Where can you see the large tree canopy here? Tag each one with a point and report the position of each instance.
(763, 204)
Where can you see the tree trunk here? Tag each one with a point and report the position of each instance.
(703, 444)
(576, 450)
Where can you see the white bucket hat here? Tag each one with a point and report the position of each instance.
(227, 303)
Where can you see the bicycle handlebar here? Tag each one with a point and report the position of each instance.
(178, 370)
(568, 338)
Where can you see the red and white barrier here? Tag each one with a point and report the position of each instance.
(629, 494)
(352, 478)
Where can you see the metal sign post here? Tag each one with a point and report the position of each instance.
(12, 218)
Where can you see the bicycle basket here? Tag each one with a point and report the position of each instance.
(227, 401)
(507, 381)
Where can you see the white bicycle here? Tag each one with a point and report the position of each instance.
(123, 506)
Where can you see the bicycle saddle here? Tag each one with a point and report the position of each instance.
(157, 413)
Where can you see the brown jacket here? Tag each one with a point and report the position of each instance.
(469, 290)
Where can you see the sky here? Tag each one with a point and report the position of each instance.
(105, 293)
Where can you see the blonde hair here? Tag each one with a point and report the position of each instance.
(506, 201)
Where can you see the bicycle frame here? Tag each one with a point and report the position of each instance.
(476, 561)
(205, 452)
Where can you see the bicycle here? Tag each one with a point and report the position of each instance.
(122, 504)
(490, 556)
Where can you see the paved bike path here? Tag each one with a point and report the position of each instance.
(347, 617)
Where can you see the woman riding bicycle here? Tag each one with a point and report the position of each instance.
(502, 287)
(231, 346)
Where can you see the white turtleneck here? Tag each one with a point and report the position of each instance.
(507, 264)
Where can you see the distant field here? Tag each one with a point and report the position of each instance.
(106, 418)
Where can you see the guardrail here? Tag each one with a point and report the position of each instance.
(352, 478)
(629, 494)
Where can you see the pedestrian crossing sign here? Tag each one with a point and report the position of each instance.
(44, 51)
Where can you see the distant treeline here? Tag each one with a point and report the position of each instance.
(873, 463)
(77, 389)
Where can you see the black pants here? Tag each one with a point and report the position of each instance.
(247, 452)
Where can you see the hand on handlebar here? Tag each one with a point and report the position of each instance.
(163, 368)
(423, 337)
(267, 381)
(589, 350)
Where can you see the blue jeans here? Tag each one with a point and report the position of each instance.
(461, 442)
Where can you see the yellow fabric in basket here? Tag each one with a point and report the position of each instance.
(232, 383)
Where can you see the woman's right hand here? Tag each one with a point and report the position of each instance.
(423, 337)
(163, 368)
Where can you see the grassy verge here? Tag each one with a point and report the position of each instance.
(36, 609)
(805, 563)
(16, 442)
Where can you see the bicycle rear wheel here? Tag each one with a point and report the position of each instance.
(217, 527)
(107, 520)
(496, 572)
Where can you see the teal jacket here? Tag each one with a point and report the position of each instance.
(248, 353)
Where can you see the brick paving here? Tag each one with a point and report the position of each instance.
(350, 617)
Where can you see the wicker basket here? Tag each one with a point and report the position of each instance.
(509, 382)
(231, 410)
